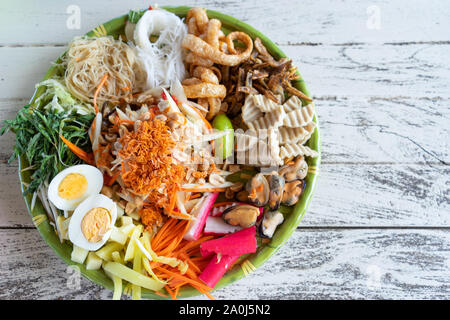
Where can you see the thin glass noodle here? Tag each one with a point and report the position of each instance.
(89, 59)
(163, 58)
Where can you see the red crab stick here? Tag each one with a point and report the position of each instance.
(235, 244)
(215, 270)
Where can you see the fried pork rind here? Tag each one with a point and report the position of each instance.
(296, 135)
(264, 104)
(245, 141)
(206, 46)
(205, 90)
(250, 112)
(292, 104)
(299, 117)
(270, 120)
(294, 149)
(207, 51)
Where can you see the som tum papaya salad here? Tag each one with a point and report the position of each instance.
(164, 155)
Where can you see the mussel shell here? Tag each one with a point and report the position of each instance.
(243, 215)
(262, 197)
(294, 171)
(276, 189)
(269, 223)
(289, 199)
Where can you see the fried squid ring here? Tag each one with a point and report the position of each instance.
(205, 90)
(237, 35)
(205, 75)
(213, 33)
(204, 50)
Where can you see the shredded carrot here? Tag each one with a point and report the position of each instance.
(109, 181)
(206, 122)
(169, 242)
(102, 82)
(172, 294)
(194, 196)
(173, 199)
(126, 88)
(181, 277)
(179, 215)
(125, 121)
(221, 204)
(203, 189)
(80, 153)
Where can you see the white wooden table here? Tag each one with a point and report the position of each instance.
(379, 223)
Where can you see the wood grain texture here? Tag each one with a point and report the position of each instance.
(294, 22)
(314, 264)
(378, 224)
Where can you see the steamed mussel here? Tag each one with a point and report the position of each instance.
(269, 223)
(292, 192)
(296, 170)
(243, 215)
(258, 190)
(276, 189)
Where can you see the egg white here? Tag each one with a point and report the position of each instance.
(76, 236)
(94, 179)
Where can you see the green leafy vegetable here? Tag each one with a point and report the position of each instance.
(134, 16)
(57, 98)
(37, 138)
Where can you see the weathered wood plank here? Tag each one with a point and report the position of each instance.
(419, 70)
(346, 195)
(308, 21)
(313, 264)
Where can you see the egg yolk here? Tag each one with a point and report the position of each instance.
(95, 224)
(73, 186)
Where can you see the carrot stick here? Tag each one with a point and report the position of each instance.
(190, 263)
(208, 125)
(221, 204)
(190, 281)
(194, 196)
(204, 189)
(112, 179)
(192, 244)
(172, 295)
(80, 153)
(102, 82)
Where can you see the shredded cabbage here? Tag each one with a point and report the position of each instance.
(56, 98)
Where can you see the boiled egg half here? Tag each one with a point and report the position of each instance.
(92, 221)
(74, 184)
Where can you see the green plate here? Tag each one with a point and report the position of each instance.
(293, 216)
